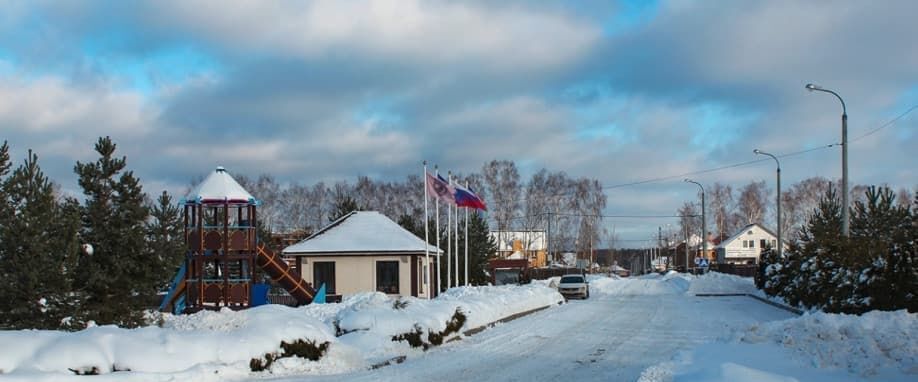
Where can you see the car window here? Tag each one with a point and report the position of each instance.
(571, 279)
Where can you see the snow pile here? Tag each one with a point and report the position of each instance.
(881, 346)
(715, 282)
(859, 344)
(207, 338)
(653, 284)
(216, 345)
(673, 283)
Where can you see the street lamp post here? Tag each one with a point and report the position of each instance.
(844, 190)
(780, 243)
(704, 227)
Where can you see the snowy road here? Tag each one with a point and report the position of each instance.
(606, 337)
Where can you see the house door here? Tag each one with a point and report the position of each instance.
(323, 272)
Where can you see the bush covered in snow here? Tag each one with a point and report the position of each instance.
(874, 268)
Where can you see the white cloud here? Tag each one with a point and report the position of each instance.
(489, 36)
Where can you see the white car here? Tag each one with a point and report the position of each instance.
(574, 286)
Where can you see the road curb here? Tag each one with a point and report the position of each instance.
(767, 301)
(473, 331)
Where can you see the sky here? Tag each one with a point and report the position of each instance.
(621, 92)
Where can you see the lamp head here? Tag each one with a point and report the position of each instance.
(756, 151)
(812, 87)
(686, 180)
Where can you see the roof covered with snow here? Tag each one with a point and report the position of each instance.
(744, 230)
(361, 233)
(220, 187)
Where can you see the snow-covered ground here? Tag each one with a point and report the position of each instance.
(650, 328)
(219, 345)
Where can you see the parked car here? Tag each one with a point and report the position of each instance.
(574, 286)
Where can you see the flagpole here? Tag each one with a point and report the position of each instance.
(466, 242)
(456, 237)
(449, 241)
(426, 276)
(437, 218)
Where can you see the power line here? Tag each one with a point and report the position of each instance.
(729, 166)
(887, 124)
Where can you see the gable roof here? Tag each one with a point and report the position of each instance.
(220, 187)
(739, 233)
(361, 233)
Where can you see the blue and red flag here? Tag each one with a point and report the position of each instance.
(466, 198)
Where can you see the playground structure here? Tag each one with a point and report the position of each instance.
(223, 251)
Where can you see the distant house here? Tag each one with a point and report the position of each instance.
(745, 246)
(515, 245)
(365, 251)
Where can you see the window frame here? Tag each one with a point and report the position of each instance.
(330, 287)
(392, 287)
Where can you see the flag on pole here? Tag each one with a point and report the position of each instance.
(440, 188)
(466, 198)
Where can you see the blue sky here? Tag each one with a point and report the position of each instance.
(329, 90)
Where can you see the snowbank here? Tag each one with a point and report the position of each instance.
(206, 338)
(215, 345)
(673, 283)
(881, 346)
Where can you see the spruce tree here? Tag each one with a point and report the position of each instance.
(119, 278)
(886, 270)
(37, 241)
(165, 237)
(482, 248)
(343, 206)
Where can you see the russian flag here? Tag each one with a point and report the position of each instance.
(466, 198)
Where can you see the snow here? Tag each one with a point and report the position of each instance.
(215, 345)
(361, 232)
(219, 186)
(650, 328)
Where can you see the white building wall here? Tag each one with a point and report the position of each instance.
(355, 274)
(734, 251)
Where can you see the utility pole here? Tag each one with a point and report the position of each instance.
(548, 241)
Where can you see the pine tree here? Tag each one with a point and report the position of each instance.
(886, 270)
(37, 241)
(165, 237)
(482, 247)
(119, 279)
(343, 206)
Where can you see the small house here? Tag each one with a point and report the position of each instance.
(365, 251)
(521, 245)
(746, 246)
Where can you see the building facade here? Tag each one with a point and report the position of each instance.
(746, 246)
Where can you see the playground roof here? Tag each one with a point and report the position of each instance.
(361, 233)
(219, 187)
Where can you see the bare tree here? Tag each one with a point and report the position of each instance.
(722, 209)
(503, 182)
(753, 203)
(689, 219)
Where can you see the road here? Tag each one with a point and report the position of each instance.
(611, 337)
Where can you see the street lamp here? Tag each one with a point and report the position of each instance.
(844, 190)
(704, 227)
(780, 243)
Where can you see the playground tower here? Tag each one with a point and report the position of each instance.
(220, 226)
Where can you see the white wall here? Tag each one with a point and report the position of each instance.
(734, 250)
(355, 274)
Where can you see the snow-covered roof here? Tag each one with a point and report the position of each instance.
(219, 186)
(361, 233)
(741, 231)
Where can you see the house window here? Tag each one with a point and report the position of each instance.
(387, 277)
(751, 243)
(745, 244)
(762, 243)
(323, 272)
(774, 244)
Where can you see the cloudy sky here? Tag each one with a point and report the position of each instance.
(329, 90)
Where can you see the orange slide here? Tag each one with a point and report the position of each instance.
(278, 269)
